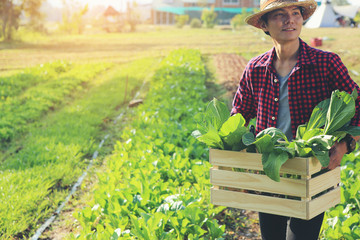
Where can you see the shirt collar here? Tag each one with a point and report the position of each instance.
(306, 56)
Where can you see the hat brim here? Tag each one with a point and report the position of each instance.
(308, 6)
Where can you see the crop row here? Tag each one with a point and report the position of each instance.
(14, 84)
(36, 177)
(25, 97)
(157, 181)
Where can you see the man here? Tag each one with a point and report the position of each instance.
(282, 86)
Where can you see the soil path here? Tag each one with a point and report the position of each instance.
(240, 224)
(229, 68)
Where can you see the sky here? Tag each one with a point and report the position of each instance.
(355, 2)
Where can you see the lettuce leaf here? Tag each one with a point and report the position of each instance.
(318, 115)
(341, 111)
(211, 138)
(217, 129)
(232, 131)
(217, 113)
(272, 162)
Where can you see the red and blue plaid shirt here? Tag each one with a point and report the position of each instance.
(316, 74)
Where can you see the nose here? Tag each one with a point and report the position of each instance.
(288, 18)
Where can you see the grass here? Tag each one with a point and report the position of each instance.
(25, 97)
(48, 160)
(152, 41)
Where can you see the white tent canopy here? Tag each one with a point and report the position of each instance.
(324, 16)
(346, 11)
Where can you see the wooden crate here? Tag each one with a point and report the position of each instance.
(241, 189)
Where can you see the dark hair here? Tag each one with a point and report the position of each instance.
(264, 18)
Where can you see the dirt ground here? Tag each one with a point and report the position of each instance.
(229, 68)
(240, 224)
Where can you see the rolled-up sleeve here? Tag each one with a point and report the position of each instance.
(340, 79)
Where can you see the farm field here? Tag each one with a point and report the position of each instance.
(59, 96)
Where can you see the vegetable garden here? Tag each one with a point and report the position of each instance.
(38, 170)
(155, 182)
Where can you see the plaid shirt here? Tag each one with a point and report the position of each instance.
(316, 74)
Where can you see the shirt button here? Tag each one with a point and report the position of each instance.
(276, 99)
(273, 118)
(275, 80)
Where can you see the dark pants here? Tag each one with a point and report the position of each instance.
(275, 227)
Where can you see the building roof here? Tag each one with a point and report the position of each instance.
(110, 11)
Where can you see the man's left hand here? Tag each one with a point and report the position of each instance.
(336, 154)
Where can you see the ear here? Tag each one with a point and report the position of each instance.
(263, 26)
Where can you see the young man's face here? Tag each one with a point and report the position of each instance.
(284, 24)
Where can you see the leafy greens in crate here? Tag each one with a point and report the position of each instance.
(217, 129)
(328, 123)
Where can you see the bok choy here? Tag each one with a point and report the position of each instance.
(328, 123)
(217, 129)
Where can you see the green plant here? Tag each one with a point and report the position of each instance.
(328, 123)
(208, 16)
(181, 20)
(343, 220)
(195, 23)
(41, 167)
(217, 129)
(238, 20)
(156, 185)
(25, 97)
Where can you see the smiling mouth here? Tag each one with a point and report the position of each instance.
(289, 29)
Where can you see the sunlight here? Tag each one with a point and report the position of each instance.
(117, 4)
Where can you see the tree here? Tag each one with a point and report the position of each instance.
(208, 16)
(238, 20)
(31, 9)
(9, 15)
(132, 17)
(72, 21)
(10, 11)
(181, 20)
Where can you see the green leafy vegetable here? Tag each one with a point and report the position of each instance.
(272, 162)
(211, 138)
(341, 110)
(217, 129)
(328, 123)
(217, 113)
(312, 139)
(232, 131)
(318, 115)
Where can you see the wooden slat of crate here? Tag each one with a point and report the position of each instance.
(260, 203)
(323, 203)
(306, 188)
(323, 182)
(244, 160)
(262, 183)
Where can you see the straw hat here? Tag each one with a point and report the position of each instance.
(266, 6)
